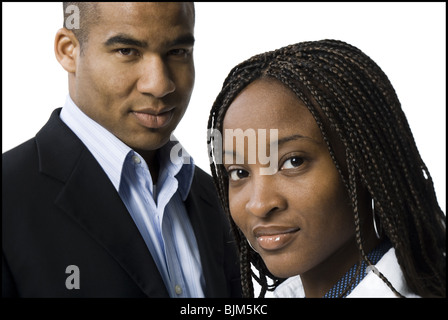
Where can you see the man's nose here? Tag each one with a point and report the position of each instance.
(156, 79)
(265, 197)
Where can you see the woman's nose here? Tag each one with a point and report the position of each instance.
(266, 197)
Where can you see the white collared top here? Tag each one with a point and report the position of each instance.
(370, 287)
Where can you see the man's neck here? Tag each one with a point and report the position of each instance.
(152, 161)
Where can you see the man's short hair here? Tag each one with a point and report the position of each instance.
(88, 15)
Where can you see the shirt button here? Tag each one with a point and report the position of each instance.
(136, 159)
(178, 289)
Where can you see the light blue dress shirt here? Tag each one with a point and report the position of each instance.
(158, 211)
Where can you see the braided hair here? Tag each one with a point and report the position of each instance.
(349, 94)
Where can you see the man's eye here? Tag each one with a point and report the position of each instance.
(292, 163)
(237, 174)
(179, 52)
(127, 51)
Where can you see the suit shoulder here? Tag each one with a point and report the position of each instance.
(20, 171)
(205, 180)
(204, 183)
(202, 175)
(19, 157)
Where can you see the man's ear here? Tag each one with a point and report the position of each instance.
(66, 49)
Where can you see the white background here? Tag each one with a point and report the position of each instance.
(407, 40)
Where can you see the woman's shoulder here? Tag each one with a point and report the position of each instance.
(290, 288)
(372, 286)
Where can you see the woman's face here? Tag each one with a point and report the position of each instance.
(299, 218)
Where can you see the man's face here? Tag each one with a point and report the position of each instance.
(136, 73)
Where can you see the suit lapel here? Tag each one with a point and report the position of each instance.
(90, 199)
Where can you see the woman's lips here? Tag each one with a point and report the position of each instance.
(154, 121)
(274, 238)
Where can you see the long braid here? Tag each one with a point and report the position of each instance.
(346, 92)
(355, 208)
(246, 272)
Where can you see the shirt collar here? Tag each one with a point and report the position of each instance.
(371, 286)
(178, 163)
(111, 152)
(108, 150)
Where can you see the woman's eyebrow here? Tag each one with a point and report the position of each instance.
(277, 143)
(292, 138)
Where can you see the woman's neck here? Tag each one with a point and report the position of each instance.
(319, 280)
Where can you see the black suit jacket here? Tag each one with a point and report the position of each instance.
(59, 208)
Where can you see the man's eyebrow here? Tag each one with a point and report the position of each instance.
(187, 39)
(123, 39)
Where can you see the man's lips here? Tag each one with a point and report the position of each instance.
(153, 119)
(274, 237)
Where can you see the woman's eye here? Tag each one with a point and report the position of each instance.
(237, 174)
(292, 163)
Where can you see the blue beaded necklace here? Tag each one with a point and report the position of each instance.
(341, 286)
